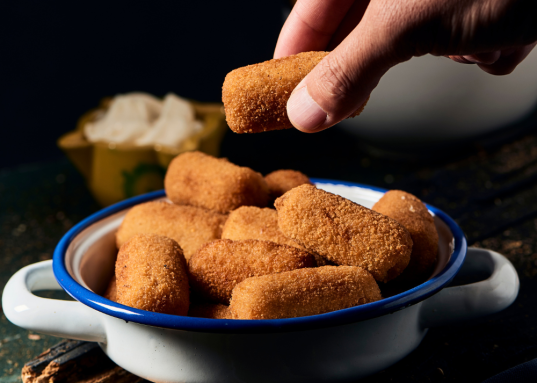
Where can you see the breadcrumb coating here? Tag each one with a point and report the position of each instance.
(281, 181)
(111, 290)
(197, 179)
(344, 232)
(217, 267)
(250, 222)
(209, 310)
(151, 275)
(303, 292)
(410, 212)
(190, 226)
(255, 96)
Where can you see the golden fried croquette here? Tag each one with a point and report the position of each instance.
(344, 232)
(303, 292)
(209, 310)
(151, 275)
(322, 261)
(255, 96)
(189, 226)
(281, 181)
(218, 266)
(197, 179)
(250, 222)
(410, 212)
(111, 290)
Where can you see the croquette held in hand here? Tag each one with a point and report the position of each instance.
(255, 96)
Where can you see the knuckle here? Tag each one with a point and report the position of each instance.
(335, 79)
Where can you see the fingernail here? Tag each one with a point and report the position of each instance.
(304, 113)
(471, 59)
(487, 58)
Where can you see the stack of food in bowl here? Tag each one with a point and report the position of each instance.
(213, 285)
(316, 253)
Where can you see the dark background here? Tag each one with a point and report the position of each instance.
(59, 58)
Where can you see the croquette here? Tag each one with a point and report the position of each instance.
(197, 179)
(250, 222)
(209, 310)
(111, 290)
(189, 226)
(410, 212)
(303, 292)
(281, 181)
(217, 267)
(255, 96)
(151, 275)
(344, 232)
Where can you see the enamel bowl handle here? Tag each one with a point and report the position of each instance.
(463, 303)
(56, 317)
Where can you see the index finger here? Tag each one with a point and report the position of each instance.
(310, 26)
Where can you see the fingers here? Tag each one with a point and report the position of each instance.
(349, 22)
(488, 58)
(497, 63)
(508, 61)
(343, 81)
(310, 26)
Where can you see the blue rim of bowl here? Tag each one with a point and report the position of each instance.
(334, 318)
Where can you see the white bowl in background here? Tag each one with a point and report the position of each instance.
(433, 100)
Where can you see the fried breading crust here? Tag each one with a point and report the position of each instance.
(189, 226)
(255, 96)
(281, 181)
(250, 222)
(151, 275)
(197, 179)
(410, 212)
(209, 310)
(344, 232)
(303, 292)
(217, 267)
(111, 290)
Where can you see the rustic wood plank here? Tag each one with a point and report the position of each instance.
(75, 361)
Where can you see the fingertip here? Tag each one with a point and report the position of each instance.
(459, 59)
(498, 70)
(508, 61)
(304, 113)
(487, 58)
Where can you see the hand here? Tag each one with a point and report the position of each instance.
(367, 38)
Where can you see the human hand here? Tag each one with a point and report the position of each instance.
(367, 38)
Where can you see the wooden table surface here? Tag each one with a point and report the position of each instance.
(489, 187)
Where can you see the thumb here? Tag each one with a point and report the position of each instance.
(342, 82)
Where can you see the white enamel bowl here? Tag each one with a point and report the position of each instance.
(434, 101)
(338, 346)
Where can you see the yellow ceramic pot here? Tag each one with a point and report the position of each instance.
(118, 171)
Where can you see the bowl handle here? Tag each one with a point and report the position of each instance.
(56, 317)
(474, 300)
